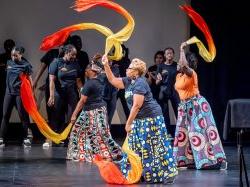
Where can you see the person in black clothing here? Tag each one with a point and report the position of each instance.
(4, 57)
(151, 75)
(46, 60)
(64, 75)
(15, 67)
(166, 74)
(82, 57)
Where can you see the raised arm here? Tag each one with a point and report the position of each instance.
(183, 61)
(116, 82)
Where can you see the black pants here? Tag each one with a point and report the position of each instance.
(174, 99)
(1, 103)
(64, 106)
(9, 102)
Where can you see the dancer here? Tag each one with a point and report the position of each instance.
(197, 142)
(15, 67)
(90, 135)
(147, 134)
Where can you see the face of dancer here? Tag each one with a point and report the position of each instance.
(71, 55)
(159, 59)
(131, 72)
(89, 73)
(169, 55)
(16, 56)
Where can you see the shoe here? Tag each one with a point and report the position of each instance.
(169, 180)
(26, 143)
(223, 165)
(47, 144)
(2, 145)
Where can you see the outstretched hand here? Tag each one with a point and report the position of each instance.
(105, 60)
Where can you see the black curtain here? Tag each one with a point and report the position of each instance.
(228, 76)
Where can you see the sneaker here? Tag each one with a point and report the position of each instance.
(223, 165)
(2, 143)
(26, 143)
(47, 144)
(169, 180)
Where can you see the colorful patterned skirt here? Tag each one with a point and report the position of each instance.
(197, 142)
(90, 136)
(149, 139)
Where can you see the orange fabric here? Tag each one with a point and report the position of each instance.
(111, 173)
(186, 86)
(30, 106)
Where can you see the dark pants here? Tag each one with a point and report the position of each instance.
(111, 106)
(9, 102)
(1, 103)
(174, 99)
(121, 96)
(65, 104)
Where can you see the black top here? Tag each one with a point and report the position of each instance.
(109, 90)
(150, 108)
(65, 72)
(93, 90)
(168, 73)
(14, 69)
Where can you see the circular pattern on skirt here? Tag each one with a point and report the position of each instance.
(182, 137)
(197, 140)
(202, 123)
(209, 151)
(205, 106)
(189, 152)
(213, 135)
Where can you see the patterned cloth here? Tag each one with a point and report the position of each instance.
(91, 135)
(197, 140)
(148, 138)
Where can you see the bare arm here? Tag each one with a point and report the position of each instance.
(116, 82)
(78, 108)
(51, 100)
(79, 83)
(137, 103)
(183, 61)
(31, 81)
(39, 74)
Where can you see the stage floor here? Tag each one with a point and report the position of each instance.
(47, 167)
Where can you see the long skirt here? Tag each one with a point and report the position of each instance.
(91, 136)
(197, 142)
(149, 139)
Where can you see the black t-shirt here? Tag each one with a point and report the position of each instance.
(14, 69)
(65, 72)
(93, 90)
(109, 90)
(168, 73)
(150, 108)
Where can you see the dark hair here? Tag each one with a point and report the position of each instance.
(76, 41)
(159, 53)
(65, 49)
(169, 48)
(20, 49)
(192, 60)
(9, 43)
